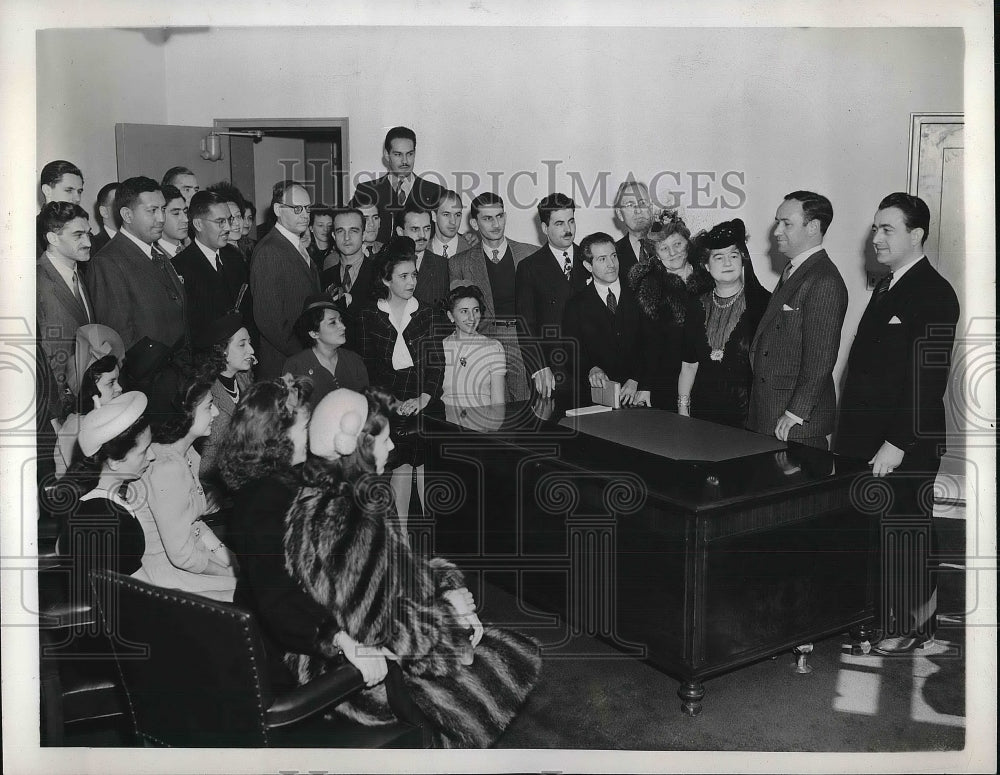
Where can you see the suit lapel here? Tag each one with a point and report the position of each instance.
(788, 289)
(62, 291)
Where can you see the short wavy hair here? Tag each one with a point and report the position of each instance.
(88, 383)
(178, 422)
(256, 443)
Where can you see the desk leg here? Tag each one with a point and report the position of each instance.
(692, 693)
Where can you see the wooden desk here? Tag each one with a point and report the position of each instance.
(699, 566)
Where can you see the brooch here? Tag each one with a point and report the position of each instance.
(716, 355)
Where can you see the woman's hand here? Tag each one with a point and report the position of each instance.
(472, 622)
(465, 606)
(413, 405)
(641, 398)
(370, 660)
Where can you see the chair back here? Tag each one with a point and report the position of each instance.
(194, 669)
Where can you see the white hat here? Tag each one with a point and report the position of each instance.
(336, 423)
(109, 420)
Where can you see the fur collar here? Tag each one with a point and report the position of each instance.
(656, 288)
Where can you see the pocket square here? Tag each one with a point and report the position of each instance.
(895, 321)
(786, 308)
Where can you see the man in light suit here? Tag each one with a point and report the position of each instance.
(632, 209)
(132, 282)
(447, 242)
(795, 348)
(544, 283)
(214, 273)
(892, 413)
(604, 322)
(281, 276)
(492, 266)
(62, 303)
(432, 269)
(400, 186)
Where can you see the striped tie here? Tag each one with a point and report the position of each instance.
(612, 302)
(882, 288)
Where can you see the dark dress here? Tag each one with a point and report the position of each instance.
(350, 372)
(671, 322)
(289, 619)
(721, 391)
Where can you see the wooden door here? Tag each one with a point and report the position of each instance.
(152, 149)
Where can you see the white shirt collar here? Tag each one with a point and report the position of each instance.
(897, 273)
(168, 247)
(558, 253)
(145, 247)
(501, 251)
(797, 261)
(210, 253)
(438, 246)
(293, 238)
(64, 266)
(354, 260)
(636, 244)
(420, 259)
(111, 231)
(406, 183)
(602, 289)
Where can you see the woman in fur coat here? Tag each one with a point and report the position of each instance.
(344, 544)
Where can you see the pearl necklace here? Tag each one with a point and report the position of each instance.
(734, 297)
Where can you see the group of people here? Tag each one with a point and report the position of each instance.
(276, 377)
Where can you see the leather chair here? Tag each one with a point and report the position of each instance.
(195, 675)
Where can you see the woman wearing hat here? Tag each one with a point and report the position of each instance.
(403, 359)
(99, 354)
(225, 360)
(667, 289)
(325, 360)
(182, 552)
(715, 383)
(103, 530)
(466, 681)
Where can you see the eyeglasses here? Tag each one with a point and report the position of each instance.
(642, 204)
(297, 209)
(220, 222)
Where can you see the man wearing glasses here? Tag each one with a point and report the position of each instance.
(214, 274)
(132, 283)
(632, 209)
(282, 275)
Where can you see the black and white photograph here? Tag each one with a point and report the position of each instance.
(429, 386)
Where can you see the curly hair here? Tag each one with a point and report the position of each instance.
(209, 362)
(399, 250)
(256, 443)
(455, 295)
(179, 421)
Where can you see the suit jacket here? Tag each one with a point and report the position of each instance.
(541, 291)
(376, 339)
(424, 193)
(795, 348)
(463, 243)
(612, 342)
(897, 372)
(469, 268)
(362, 289)
(98, 241)
(280, 281)
(58, 314)
(626, 256)
(432, 279)
(210, 293)
(134, 296)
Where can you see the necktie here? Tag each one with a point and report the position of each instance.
(444, 251)
(163, 262)
(400, 195)
(784, 275)
(216, 261)
(496, 256)
(347, 278)
(883, 287)
(612, 302)
(79, 294)
(567, 265)
(368, 251)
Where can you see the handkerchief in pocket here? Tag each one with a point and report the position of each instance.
(786, 308)
(895, 321)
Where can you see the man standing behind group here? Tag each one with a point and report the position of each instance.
(132, 282)
(281, 277)
(447, 242)
(60, 181)
(392, 192)
(104, 214)
(321, 249)
(795, 348)
(545, 281)
(364, 203)
(175, 222)
(354, 275)
(183, 180)
(214, 273)
(892, 413)
(632, 209)
(492, 266)
(432, 270)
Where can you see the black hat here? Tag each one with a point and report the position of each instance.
(724, 234)
(322, 301)
(145, 358)
(219, 331)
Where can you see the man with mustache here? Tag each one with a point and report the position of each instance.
(432, 270)
(393, 191)
(543, 284)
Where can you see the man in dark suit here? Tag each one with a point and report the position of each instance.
(632, 209)
(215, 276)
(62, 304)
(353, 278)
(543, 284)
(175, 222)
(892, 413)
(281, 277)
(364, 203)
(795, 348)
(432, 269)
(400, 186)
(447, 242)
(104, 216)
(604, 323)
(132, 282)
(492, 266)
(184, 180)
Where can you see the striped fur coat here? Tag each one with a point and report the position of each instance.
(344, 543)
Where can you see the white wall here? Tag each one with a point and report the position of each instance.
(87, 81)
